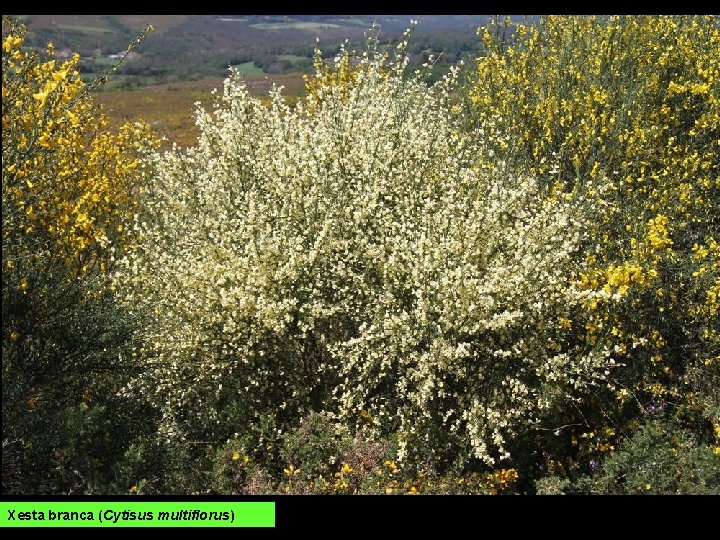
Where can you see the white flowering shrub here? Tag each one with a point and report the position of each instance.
(353, 255)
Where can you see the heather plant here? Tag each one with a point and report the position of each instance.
(658, 458)
(318, 457)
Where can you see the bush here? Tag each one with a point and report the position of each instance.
(659, 458)
(623, 112)
(353, 255)
(392, 286)
(315, 447)
(318, 457)
(68, 191)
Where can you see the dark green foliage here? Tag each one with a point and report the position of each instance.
(659, 458)
(315, 446)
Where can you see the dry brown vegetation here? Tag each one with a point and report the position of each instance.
(169, 108)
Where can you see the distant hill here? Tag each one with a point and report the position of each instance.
(190, 47)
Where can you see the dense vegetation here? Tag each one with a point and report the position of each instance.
(68, 188)
(504, 281)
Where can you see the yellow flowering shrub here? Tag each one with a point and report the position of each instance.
(346, 69)
(67, 182)
(69, 190)
(342, 75)
(624, 111)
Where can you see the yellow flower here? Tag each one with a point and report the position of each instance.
(41, 97)
(11, 42)
(291, 471)
(391, 466)
(347, 469)
(236, 456)
(59, 75)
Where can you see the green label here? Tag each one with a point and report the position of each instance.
(137, 514)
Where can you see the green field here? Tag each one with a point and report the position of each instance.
(105, 61)
(249, 68)
(299, 25)
(82, 28)
(354, 22)
(294, 58)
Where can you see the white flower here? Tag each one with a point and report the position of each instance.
(357, 242)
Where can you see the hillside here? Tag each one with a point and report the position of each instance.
(192, 47)
(506, 281)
